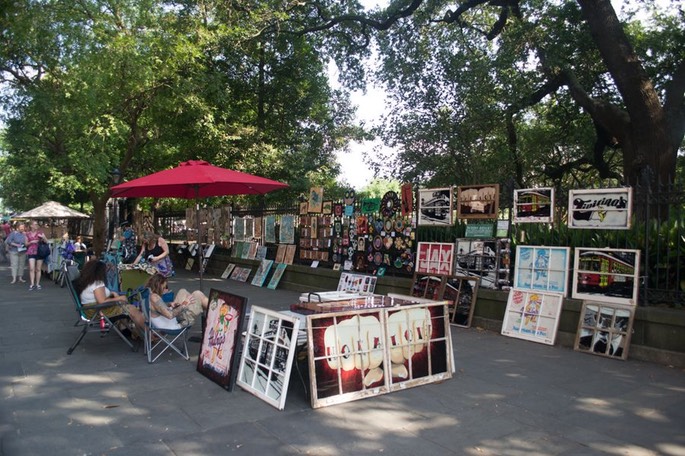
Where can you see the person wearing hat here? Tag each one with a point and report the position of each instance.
(128, 243)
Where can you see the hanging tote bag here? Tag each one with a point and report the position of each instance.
(43, 250)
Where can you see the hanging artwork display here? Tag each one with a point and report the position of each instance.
(390, 204)
(461, 293)
(249, 228)
(603, 208)
(477, 201)
(327, 207)
(488, 259)
(370, 205)
(261, 253)
(532, 315)
(349, 200)
(262, 271)
(434, 258)
(315, 203)
(435, 206)
(267, 357)
(238, 228)
(605, 329)
(533, 205)
(304, 208)
(221, 336)
(286, 234)
(607, 275)
(276, 276)
(270, 229)
(407, 193)
(542, 268)
(252, 252)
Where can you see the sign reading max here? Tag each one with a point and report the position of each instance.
(608, 208)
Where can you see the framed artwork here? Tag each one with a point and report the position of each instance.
(261, 253)
(532, 315)
(607, 275)
(289, 254)
(605, 329)
(327, 207)
(435, 206)
(246, 250)
(304, 208)
(478, 257)
(262, 271)
(477, 201)
(238, 228)
(347, 360)
(270, 229)
(434, 258)
(190, 263)
(249, 228)
(419, 344)
(286, 234)
(533, 205)
(427, 286)
(227, 271)
(280, 253)
(461, 293)
(221, 337)
(241, 274)
(252, 252)
(357, 283)
(600, 209)
(542, 268)
(276, 276)
(315, 204)
(267, 357)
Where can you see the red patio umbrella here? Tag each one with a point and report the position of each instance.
(195, 179)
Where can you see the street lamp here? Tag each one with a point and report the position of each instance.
(114, 215)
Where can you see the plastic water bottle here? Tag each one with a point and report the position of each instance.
(102, 323)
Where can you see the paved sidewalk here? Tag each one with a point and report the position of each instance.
(508, 397)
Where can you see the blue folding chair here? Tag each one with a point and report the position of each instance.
(159, 340)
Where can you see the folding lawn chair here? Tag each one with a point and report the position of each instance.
(98, 321)
(162, 339)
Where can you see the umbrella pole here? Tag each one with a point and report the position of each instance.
(200, 254)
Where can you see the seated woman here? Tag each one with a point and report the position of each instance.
(182, 311)
(91, 288)
(155, 251)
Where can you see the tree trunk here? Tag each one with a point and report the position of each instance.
(99, 224)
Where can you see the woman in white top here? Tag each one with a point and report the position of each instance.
(92, 289)
(182, 311)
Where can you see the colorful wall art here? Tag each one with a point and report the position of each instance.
(221, 336)
(461, 293)
(267, 356)
(533, 205)
(607, 275)
(532, 315)
(262, 271)
(604, 208)
(435, 206)
(477, 201)
(542, 268)
(605, 329)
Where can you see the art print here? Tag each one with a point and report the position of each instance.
(241, 274)
(356, 283)
(304, 208)
(434, 258)
(542, 268)
(262, 271)
(461, 293)
(276, 276)
(289, 254)
(435, 206)
(270, 229)
(347, 359)
(604, 209)
(280, 253)
(227, 272)
(238, 228)
(267, 357)
(419, 345)
(407, 198)
(327, 207)
(533, 205)
(286, 234)
(532, 315)
(315, 204)
(221, 337)
(371, 206)
(478, 257)
(427, 286)
(605, 329)
(252, 252)
(249, 228)
(607, 275)
(478, 201)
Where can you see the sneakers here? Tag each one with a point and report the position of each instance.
(38, 287)
(32, 287)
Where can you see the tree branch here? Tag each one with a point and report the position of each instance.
(674, 104)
